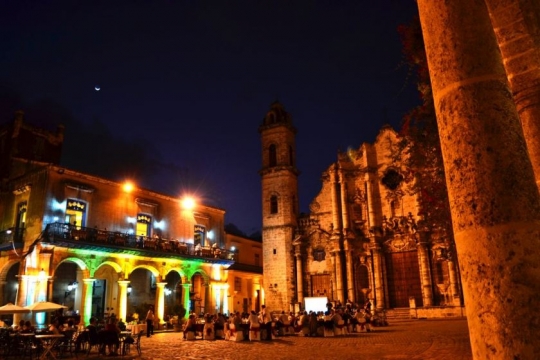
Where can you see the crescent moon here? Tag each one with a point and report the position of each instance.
(97, 88)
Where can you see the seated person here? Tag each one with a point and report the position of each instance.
(90, 335)
(55, 328)
(110, 336)
(28, 328)
(189, 325)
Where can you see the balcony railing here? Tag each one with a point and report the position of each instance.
(76, 235)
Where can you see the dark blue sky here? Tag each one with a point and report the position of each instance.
(185, 85)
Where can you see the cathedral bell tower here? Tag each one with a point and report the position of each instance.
(279, 207)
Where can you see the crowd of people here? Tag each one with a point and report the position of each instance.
(351, 317)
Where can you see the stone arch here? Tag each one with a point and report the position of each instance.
(112, 264)
(150, 268)
(80, 263)
(180, 272)
(204, 275)
(5, 269)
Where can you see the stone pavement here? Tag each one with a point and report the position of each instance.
(415, 339)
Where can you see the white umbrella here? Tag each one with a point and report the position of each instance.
(13, 309)
(43, 306)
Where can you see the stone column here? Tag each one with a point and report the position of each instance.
(425, 274)
(225, 299)
(336, 217)
(344, 206)
(299, 277)
(349, 265)
(186, 298)
(160, 301)
(517, 28)
(378, 275)
(452, 276)
(494, 200)
(122, 299)
(88, 290)
(22, 293)
(339, 274)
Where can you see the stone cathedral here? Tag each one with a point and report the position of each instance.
(362, 238)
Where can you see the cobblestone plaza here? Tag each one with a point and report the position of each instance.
(419, 339)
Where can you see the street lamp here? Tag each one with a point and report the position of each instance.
(71, 286)
(188, 203)
(129, 289)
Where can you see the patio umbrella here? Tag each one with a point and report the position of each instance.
(12, 309)
(43, 306)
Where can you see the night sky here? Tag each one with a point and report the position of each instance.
(184, 86)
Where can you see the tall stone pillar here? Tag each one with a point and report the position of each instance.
(225, 301)
(454, 290)
(122, 299)
(339, 274)
(517, 28)
(336, 216)
(425, 274)
(344, 205)
(22, 293)
(349, 266)
(378, 275)
(299, 277)
(494, 200)
(185, 291)
(88, 291)
(160, 301)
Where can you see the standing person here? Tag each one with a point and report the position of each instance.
(266, 319)
(150, 322)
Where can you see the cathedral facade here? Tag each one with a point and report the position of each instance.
(362, 238)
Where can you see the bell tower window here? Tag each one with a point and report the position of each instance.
(272, 153)
(273, 204)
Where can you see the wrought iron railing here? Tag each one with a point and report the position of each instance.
(65, 232)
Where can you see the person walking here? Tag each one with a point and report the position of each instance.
(150, 322)
(266, 319)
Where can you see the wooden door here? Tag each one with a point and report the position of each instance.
(403, 278)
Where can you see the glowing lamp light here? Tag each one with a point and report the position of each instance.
(128, 187)
(129, 289)
(188, 203)
(168, 291)
(233, 248)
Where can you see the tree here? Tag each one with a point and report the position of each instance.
(419, 148)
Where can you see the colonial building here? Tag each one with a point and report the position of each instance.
(362, 238)
(101, 247)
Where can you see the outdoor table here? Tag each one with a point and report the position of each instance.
(135, 329)
(48, 342)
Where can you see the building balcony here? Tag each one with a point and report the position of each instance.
(77, 237)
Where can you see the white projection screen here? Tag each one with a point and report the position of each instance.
(316, 304)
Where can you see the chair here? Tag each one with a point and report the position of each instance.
(255, 333)
(126, 345)
(340, 328)
(208, 332)
(328, 328)
(235, 335)
(67, 344)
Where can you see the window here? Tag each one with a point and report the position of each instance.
(319, 254)
(272, 155)
(257, 260)
(144, 222)
(75, 212)
(237, 284)
(273, 204)
(200, 235)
